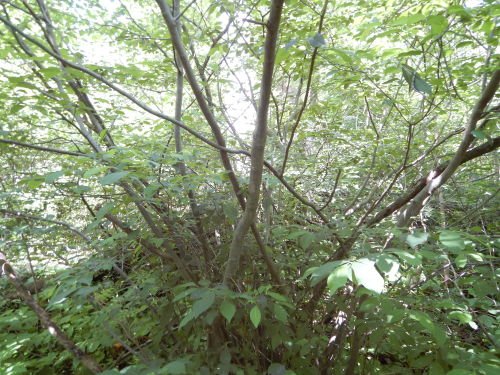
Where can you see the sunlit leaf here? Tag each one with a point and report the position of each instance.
(338, 278)
(367, 275)
(417, 238)
(452, 240)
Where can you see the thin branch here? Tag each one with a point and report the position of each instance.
(306, 95)
(41, 148)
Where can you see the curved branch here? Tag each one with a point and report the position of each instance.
(407, 197)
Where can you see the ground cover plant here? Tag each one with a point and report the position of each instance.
(249, 187)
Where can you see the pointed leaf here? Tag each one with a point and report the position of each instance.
(367, 275)
(338, 278)
(52, 177)
(417, 238)
(452, 240)
(422, 86)
(204, 303)
(113, 178)
(280, 313)
(227, 309)
(255, 316)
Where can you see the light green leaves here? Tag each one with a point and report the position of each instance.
(366, 274)
(408, 20)
(255, 316)
(361, 271)
(338, 278)
(227, 309)
(176, 367)
(280, 313)
(319, 273)
(113, 178)
(413, 259)
(479, 134)
(438, 23)
(452, 241)
(417, 238)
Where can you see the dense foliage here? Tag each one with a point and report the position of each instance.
(144, 230)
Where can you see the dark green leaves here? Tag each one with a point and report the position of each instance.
(227, 309)
(199, 307)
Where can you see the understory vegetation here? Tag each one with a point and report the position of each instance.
(249, 187)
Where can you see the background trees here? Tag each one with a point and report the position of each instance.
(368, 190)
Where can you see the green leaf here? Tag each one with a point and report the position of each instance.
(338, 278)
(34, 182)
(204, 303)
(52, 177)
(452, 240)
(479, 134)
(415, 82)
(438, 23)
(408, 20)
(366, 274)
(424, 319)
(177, 367)
(461, 260)
(199, 307)
(280, 313)
(306, 240)
(409, 258)
(113, 178)
(50, 72)
(462, 316)
(386, 262)
(422, 86)
(93, 171)
(417, 238)
(227, 309)
(277, 296)
(255, 316)
(317, 40)
(319, 273)
(230, 211)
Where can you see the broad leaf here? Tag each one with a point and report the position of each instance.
(366, 274)
(417, 238)
(227, 309)
(338, 278)
(317, 40)
(113, 178)
(255, 316)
